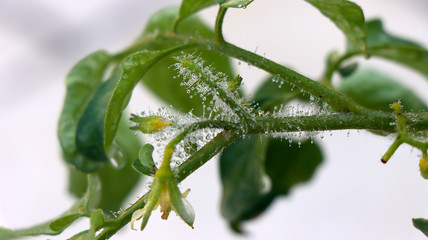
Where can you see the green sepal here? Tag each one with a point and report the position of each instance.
(179, 203)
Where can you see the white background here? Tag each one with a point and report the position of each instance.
(352, 196)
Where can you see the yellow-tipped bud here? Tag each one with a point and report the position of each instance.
(423, 166)
(150, 124)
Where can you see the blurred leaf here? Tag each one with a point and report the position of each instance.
(162, 79)
(347, 16)
(347, 70)
(234, 3)
(375, 90)
(54, 227)
(421, 224)
(189, 7)
(288, 164)
(246, 167)
(242, 174)
(382, 44)
(81, 82)
(145, 164)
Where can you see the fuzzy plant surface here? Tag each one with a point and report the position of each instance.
(264, 139)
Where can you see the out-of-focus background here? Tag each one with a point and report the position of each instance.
(352, 196)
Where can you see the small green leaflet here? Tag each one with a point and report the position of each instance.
(145, 164)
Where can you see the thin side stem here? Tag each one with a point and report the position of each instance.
(326, 79)
(218, 29)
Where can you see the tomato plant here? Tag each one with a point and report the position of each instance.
(267, 140)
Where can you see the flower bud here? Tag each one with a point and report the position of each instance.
(423, 166)
(150, 124)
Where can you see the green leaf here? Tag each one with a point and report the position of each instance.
(234, 3)
(421, 224)
(63, 223)
(382, 44)
(246, 167)
(242, 174)
(189, 7)
(162, 79)
(54, 227)
(118, 183)
(91, 198)
(145, 164)
(90, 128)
(81, 82)
(288, 164)
(133, 69)
(376, 90)
(274, 92)
(347, 16)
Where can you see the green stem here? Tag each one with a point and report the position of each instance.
(218, 32)
(305, 84)
(391, 150)
(170, 147)
(326, 80)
